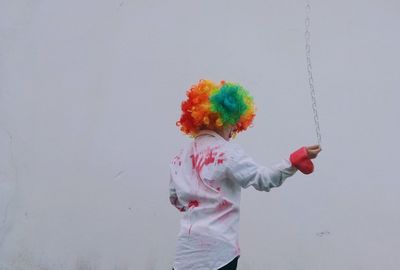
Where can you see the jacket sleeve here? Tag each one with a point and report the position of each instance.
(245, 172)
(173, 197)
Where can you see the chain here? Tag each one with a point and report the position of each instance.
(307, 35)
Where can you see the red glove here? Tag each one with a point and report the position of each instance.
(301, 161)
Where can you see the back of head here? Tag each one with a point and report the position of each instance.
(211, 106)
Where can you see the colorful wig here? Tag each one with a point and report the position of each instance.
(212, 106)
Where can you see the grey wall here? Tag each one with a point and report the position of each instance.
(89, 95)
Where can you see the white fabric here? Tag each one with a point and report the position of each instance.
(206, 180)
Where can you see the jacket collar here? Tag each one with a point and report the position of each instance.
(208, 132)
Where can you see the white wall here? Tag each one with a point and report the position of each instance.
(89, 95)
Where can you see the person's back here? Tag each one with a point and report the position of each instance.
(210, 204)
(207, 176)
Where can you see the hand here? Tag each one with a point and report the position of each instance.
(313, 151)
(301, 159)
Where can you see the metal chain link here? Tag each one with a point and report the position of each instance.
(307, 35)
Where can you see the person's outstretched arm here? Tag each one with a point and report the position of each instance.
(246, 172)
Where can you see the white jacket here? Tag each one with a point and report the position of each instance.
(206, 180)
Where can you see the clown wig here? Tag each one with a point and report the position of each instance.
(212, 106)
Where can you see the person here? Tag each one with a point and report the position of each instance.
(209, 172)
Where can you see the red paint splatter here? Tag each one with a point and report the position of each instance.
(193, 203)
(223, 205)
(221, 158)
(224, 210)
(208, 157)
(219, 188)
